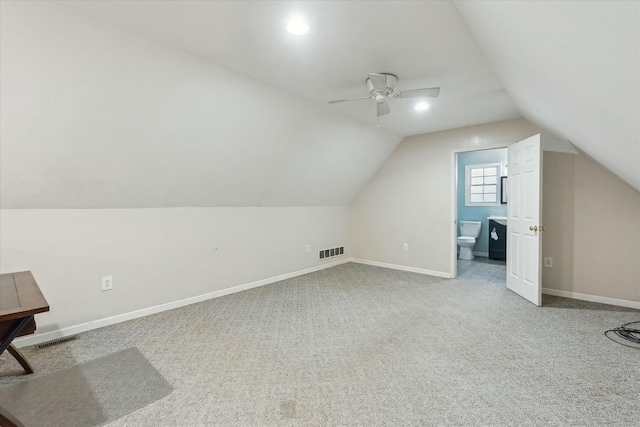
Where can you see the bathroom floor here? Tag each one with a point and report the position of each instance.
(481, 269)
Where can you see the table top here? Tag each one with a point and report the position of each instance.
(20, 296)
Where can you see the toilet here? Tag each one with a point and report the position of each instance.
(469, 231)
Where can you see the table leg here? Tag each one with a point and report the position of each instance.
(6, 344)
(20, 358)
(7, 419)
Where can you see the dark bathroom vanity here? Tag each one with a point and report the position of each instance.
(497, 238)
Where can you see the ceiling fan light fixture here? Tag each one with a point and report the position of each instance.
(382, 86)
(298, 26)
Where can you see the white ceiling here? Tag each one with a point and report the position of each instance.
(569, 67)
(572, 68)
(425, 44)
(209, 103)
(97, 117)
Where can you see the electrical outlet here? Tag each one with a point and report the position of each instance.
(405, 247)
(308, 248)
(548, 261)
(107, 283)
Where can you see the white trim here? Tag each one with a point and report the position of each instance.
(592, 298)
(403, 268)
(482, 147)
(453, 194)
(468, 185)
(99, 323)
(95, 324)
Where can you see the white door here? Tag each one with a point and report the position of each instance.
(524, 209)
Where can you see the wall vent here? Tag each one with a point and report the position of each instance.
(328, 253)
(56, 342)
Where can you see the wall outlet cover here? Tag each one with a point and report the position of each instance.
(107, 283)
(548, 261)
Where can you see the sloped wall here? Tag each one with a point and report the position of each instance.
(94, 116)
(552, 57)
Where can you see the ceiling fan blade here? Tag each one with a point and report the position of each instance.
(379, 81)
(430, 92)
(351, 99)
(383, 108)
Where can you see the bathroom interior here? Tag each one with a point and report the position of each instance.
(482, 215)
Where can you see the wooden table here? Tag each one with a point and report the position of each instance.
(20, 300)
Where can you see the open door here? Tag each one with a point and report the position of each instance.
(524, 210)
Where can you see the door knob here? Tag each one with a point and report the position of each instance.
(533, 228)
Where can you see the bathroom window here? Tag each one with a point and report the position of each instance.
(482, 184)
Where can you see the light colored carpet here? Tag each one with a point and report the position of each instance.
(357, 345)
(88, 394)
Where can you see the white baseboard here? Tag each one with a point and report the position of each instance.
(592, 298)
(403, 268)
(72, 330)
(95, 324)
(481, 254)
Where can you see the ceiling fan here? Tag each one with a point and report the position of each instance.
(383, 85)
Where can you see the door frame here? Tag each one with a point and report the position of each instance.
(453, 266)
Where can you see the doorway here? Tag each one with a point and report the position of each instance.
(479, 197)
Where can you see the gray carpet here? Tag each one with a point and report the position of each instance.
(357, 345)
(88, 394)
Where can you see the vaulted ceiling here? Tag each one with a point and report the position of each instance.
(211, 103)
(424, 44)
(572, 68)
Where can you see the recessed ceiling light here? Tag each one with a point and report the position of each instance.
(421, 106)
(297, 25)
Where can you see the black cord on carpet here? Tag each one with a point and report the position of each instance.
(629, 334)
